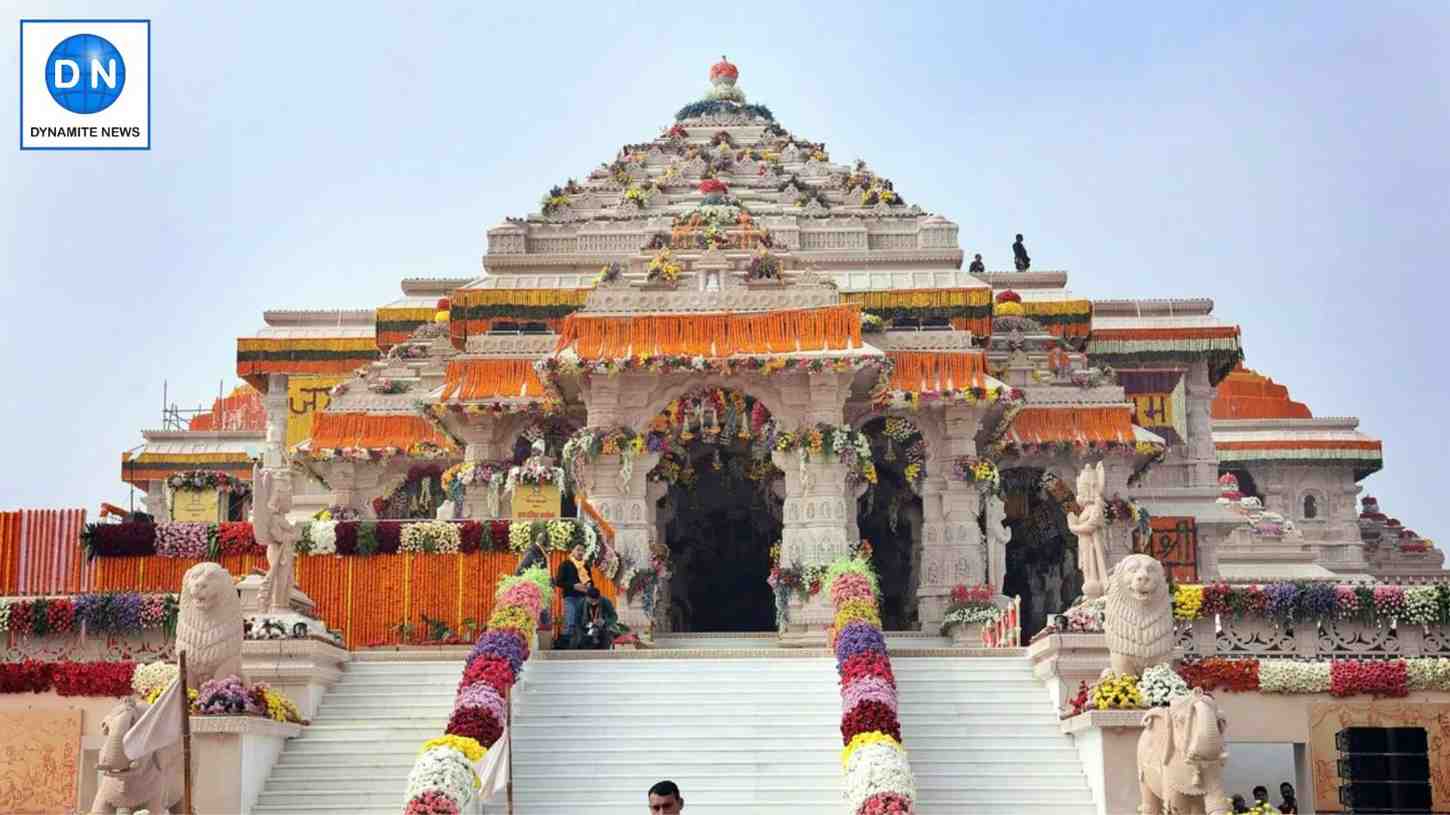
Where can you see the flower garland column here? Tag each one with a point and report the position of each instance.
(624, 502)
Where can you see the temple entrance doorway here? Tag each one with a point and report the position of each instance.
(723, 506)
(1042, 555)
(720, 539)
(889, 516)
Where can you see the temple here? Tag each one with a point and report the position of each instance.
(806, 451)
(725, 287)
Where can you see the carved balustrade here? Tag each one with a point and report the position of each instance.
(1258, 638)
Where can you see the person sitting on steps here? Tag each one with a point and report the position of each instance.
(596, 628)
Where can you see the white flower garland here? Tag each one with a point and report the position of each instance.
(324, 538)
(1160, 685)
(1292, 676)
(152, 676)
(874, 769)
(971, 616)
(446, 771)
(1428, 673)
(430, 536)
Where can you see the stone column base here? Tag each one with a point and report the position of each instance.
(231, 758)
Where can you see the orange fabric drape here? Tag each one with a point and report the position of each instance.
(1040, 425)
(370, 430)
(40, 552)
(10, 552)
(470, 379)
(1247, 394)
(924, 372)
(363, 597)
(832, 328)
(587, 507)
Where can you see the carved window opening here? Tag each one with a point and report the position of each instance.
(1311, 507)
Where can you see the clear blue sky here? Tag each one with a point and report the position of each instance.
(1290, 163)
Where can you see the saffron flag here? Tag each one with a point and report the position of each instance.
(158, 727)
(494, 774)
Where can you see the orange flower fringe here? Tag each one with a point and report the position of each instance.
(714, 335)
(471, 379)
(372, 431)
(932, 373)
(1038, 425)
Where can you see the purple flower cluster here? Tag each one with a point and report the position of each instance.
(1317, 601)
(228, 697)
(859, 638)
(119, 613)
(1281, 601)
(504, 644)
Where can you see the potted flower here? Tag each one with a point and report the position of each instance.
(970, 611)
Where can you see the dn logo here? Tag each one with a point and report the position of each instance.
(85, 73)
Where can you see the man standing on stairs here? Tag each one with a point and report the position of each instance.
(664, 799)
(574, 581)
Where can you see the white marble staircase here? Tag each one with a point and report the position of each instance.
(739, 735)
(741, 731)
(983, 738)
(356, 755)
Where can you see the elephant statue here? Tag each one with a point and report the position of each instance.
(153, 781)
(1181, 756)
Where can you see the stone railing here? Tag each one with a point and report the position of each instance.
(1224, 636)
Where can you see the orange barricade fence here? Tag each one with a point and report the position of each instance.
(364, 597)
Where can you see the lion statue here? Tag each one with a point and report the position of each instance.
(1139, 615)
(209, 627)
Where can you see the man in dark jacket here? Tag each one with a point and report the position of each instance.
(574, 581)
(1019, 256)
(597, 625)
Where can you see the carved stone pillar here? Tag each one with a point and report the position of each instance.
(485, 439)
(274, 402)
(1202, 460)
(959, 556)
(952, 547)
(155, 501)
(813, 532)
(625, 504)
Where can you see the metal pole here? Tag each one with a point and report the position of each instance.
(185, 738)
(509, 723)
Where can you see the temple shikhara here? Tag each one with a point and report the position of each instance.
(811, 452)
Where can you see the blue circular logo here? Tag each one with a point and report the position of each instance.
(85, 73)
